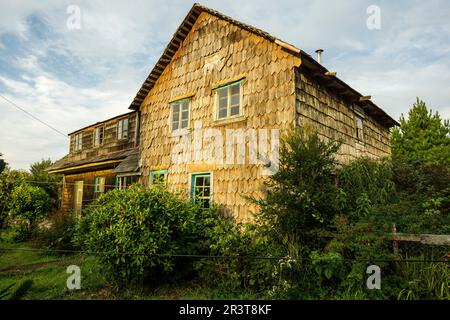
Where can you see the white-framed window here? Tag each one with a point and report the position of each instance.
(201, 189)
(123, 181)
(78, 141)
(179, 114)
(229, 100)
(158, 177)
(359, 125)
(122, 129)
(98, 136)
(99, 184)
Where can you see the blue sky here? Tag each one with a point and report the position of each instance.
(72, 78)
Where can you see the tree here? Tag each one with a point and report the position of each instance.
(302, 196)
(422, 137)
(51, 183)
(30, 203)
(2, 163)
(9, 179)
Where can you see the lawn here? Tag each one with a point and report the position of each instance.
(48, 275)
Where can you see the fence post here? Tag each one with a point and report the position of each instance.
(394, 241)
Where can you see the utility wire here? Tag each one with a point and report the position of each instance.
(204, 256)
(33, 116)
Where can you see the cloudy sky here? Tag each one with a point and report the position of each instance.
(70, 77)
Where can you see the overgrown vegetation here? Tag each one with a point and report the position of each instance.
(139, 229)
(319, 227)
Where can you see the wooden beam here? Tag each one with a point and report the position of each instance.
(364, 98)
(330, 74)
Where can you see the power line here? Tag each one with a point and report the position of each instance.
(205, 256)
(33, 116)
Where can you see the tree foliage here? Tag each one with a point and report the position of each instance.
(30, 203)
(2, 163)
(9, 179)
(422, 137)
(51, 183)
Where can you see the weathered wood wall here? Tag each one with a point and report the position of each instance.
(213, 52)
(88, 179)
(110, 141)
(333, 118)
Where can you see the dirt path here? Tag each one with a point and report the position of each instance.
(35, 266)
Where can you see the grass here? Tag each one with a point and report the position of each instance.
(48, 276)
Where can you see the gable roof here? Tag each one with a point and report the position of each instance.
(308, 62)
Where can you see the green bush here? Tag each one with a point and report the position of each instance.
(136, 230)
(29, 204)
(9, 179)
(234, 270)
(59, 234)
(302, 197)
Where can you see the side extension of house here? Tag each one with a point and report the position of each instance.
(101, 157)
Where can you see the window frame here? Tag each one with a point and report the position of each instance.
(192, 185)
(180, 102)
(120, 128)
(118, 183)
(359, 137)
(95, 136)
(98, 187)
(152, 173)
(78, 142)
(228, 86)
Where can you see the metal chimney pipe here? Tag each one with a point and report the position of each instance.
(319, 55)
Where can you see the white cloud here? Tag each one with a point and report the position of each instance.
(71, 78)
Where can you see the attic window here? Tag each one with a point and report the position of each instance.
(359, 127)
(229, 100)
(78, 142)
(98, 136)
(122, 129)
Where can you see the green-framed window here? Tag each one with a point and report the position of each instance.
(229, 100)
(158, 177)
(99, 184)
(123, 181)
(201, 189)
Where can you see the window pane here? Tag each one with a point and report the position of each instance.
(175, 125)
(199, 181)
(235, 89)
(234, 110)
(223, 93)
(235, 100)
(184, 124)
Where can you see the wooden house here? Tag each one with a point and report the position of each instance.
(102, 156)
(228, 76)
(208, 117)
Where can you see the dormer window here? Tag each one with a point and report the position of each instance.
(98, 136)
(122, 129)
(78, 142)
(359, 127)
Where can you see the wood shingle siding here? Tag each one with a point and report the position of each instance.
(216, 51)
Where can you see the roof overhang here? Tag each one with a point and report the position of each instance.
(87, 167)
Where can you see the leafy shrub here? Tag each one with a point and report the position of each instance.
(137, 229)
(9, 179)
(302, 196)
(59, 234)
(29, 204)
(240, 265)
